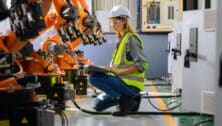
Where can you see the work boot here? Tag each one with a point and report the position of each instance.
(127, 104)
(137, 101)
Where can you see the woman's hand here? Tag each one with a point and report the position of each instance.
(121, 71)
(110, 69)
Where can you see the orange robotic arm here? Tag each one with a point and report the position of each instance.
(55, 16)
(61, 56)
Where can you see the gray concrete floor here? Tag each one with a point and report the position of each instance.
(78, 118)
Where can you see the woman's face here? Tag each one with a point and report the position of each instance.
(117, 23)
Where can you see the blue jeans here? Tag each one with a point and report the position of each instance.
(112, 87)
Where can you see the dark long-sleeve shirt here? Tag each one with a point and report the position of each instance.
(135, 52)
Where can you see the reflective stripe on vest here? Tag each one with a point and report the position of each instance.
(119, 60)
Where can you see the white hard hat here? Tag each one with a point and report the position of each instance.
(119, 11)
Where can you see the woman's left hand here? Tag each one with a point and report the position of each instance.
(110, 69)
(122, 70)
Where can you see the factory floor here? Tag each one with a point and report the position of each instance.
(77, 118)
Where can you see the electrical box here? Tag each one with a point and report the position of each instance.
(159, 15)
(81, 85)
(175, 55)
(198, 80)
(33, 116)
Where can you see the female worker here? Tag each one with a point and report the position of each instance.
(123, 84)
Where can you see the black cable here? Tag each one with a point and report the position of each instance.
(87, 111)
(204, 121)
(142, 113)
(66, 118)
(67, 121)
(90, 112)
(61, 116)
(164, 110)
(138, 113)
(61, 105)
(168, 104)
(174, 107)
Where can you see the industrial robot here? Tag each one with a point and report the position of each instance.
(24, 72)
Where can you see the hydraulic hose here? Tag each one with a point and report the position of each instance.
(65, 117)
(163, 96)
(158, 84)
(61, 117)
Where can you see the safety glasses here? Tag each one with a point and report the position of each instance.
(119, 18)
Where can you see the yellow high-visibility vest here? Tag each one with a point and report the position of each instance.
(119, 60)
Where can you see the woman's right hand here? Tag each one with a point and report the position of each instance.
(108, 68)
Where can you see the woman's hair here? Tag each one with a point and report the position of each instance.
(129, 28)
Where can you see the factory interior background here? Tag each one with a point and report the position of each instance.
(182, 42)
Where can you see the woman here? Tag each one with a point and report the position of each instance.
(127, 67)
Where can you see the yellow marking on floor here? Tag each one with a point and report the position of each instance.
(168, 118)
